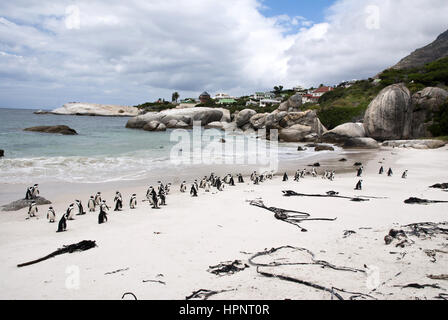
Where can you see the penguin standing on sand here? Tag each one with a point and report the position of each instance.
(183, 187)
(102, 217)
(29, 193)
(98, 198)
(162, 197)
(332, 175)
(194, 190)
(32, 209)
(133, 201)
(231, 181)
(256, 180)
(207, 186)
(91, 204)
(240, 178)
(297, 176)
(154, 199)
(359, 185)
(35, 191)
(70, 212)
(62, 225)
(405, 174)
(360, 170)
(149, 193)
(390, 172)
(51, 215)
(80, 208)
(314, 173)
(118, 201)
(253, 175)
(381, 170)
(167, 188)
(285, 177)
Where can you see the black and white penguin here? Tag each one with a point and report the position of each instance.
(240, 178)
(162, 197)
(196, 184)
(207, 186)
(161, 186)
(231, 181)
(314, 173)
(154, 199)
(91, 204)
(183, 187)
(29, 193)
(253, 175)
(297, 176)
(102, 217)
(133, 201)
(167, 188)
(359, 185)
(256, 179)
(118, 201)
(390, 172)
(381, 170)
(405, 174)
(80, 208)
(32, 209)
(149, 193)
(62, 225)
(194, 190)
(332, 175)
(360, 170)
(98, 198)
(35, 191)
(285, 177)
(70, 212)
(51, 215)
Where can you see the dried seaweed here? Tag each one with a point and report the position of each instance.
(116, 271)
(228, 267)
(414, 200)
(204, 294)
(129, 293)
(330, 194)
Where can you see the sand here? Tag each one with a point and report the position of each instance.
(174, 246)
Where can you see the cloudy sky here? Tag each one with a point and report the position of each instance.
(129, 52)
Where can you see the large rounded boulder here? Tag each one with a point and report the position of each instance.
(293, 104)
(244, 116)
(59, 129)
(389, 115)
(344, 132)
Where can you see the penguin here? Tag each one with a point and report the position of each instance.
(253, 175)
(193, 190)
(133, 201)
(51, 215)
(161, 187)
(381, 170)
(332, 175)
(29, 193)
(35, 191)
(167, 188)
(256, 180)
(162, 197)
(149, 193)
(218, 184)
(405, 174)
(314, 173)
(118, 201)
(285, 177)
(297, 176)
(231, 181)
(102, 217)
(80, 207)
(70, 212)
(360, 170)
(196, 184)
(226, 178)
(303, 173)
(62, 225)
(207, 186)
(32, 209)
(183, 187)
(324, 176)
(240, 178)
(261, 178)
(98, 198)
(91, 204)
(359, 185)
(390, 172)
(155, 200)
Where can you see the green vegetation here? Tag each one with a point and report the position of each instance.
(155, 106)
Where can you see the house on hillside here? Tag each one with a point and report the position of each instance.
(309, 98)
(226, 101)
(263, 95)
(319, 92)
(268, 102)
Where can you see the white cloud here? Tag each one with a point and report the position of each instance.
(134, 51)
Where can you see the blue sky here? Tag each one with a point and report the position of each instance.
(313, 10)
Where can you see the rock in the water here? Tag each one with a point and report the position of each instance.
(154, 126)
(344, 132)
(300, 148)
(415, 144)
(425, 104)
(22, 203)
(53, 129)
(389, 115)
(244, 116)
(93, 109)
(323, 147)
(2, 153)
(361, 143)
(177, 118)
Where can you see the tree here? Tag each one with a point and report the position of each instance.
(175, 97)
(278, 89)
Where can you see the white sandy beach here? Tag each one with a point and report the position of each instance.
(177, 244)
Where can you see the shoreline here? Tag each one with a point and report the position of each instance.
(187, 236)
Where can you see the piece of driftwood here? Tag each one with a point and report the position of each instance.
(204, 294)
(348, 233)
(329, 194)
(129, 293)
(443, 296)
(228, 267)
(116, 271)
(440, 186)
(156, 281)
(289, 216)
(414, 200)
(80, 246)
(422, 230)
(418, 286)
(438, 276)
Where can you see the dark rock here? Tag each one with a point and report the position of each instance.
(299, 148)
(440, 186)
(343, 160)
(2, 153)
(322, 147)
(22, 203)
(317, 164)
(60, 129)
(357, 164)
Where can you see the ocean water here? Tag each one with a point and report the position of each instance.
(104, 150)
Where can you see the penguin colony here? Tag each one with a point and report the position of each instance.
(157, 196)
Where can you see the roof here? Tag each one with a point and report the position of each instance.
(227, 100)
(205, 93)
(323, 89)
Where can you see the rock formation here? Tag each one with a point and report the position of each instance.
(344, 132)
(60, 129)
(92, 109)
(415, 144)
(293, 104)
(2, 153)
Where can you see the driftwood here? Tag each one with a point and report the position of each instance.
(440, 186)
(418, 286)
(116, 271)
(129, 293)
(329, 194)
(438, 277)
(229, 267)
(81, 246)
(289, 216)
(421, 230)
(156, 281)
(348, 233)
(443, 296)
(204, 294)
(414, 200)
(335, 292)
